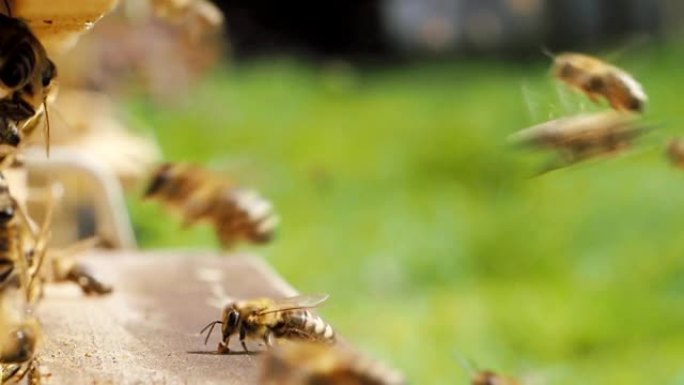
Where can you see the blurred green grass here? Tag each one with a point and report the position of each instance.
(400, 198)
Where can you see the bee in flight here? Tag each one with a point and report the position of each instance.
(596, 79)
(675, 151)
(306, 363)
(582, 137)
(27, 78)
(236, 213)
(266, 319)
(487, 377)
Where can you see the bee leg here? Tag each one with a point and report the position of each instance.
(223, 347)
(87, 281)
(243, 334)
(268, 339)
(9, 372)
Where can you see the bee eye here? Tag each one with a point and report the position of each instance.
(233, 318)
(18, 66)
(48, 73)
(6, 214)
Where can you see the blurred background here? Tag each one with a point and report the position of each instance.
(378, 130)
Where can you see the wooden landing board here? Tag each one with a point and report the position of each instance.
(146, 332)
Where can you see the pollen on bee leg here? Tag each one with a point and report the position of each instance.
(223, 348)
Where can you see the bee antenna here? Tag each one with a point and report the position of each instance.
(547, 52)
(47, 126)
(209, 326)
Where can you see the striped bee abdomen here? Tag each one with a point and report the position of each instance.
(302, 324)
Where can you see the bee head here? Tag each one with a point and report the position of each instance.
(231, 321)
(565, 69)
(635, 104)
(19, 345)
(160, 179)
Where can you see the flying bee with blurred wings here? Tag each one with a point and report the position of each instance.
(306, 363)
(488, 377)
(267, 318)
(236, 213)
(484, 376)
(596, 79)
(582, 137)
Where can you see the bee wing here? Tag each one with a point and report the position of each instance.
(297, 302)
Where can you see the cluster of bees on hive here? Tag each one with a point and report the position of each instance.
(28, 82)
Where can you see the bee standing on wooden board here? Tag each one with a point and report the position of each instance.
(266, 319)
(584, 136)
(306, 363)
(235, 213)
(596, 78)
(27, 77)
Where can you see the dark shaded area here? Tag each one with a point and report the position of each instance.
(359, 28)
(320, 28)
(582, 23)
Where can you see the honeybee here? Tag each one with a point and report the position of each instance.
(27, 77)
(487, 377)
(675, 151)
(596, 78)
(18, 330)
(12, 234)
(266, 319)
(306, 363)
(236, 213)
(67, 268)
(583, 137)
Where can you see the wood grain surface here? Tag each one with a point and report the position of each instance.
(146, 332)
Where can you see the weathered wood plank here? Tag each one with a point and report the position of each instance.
(146, 332)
